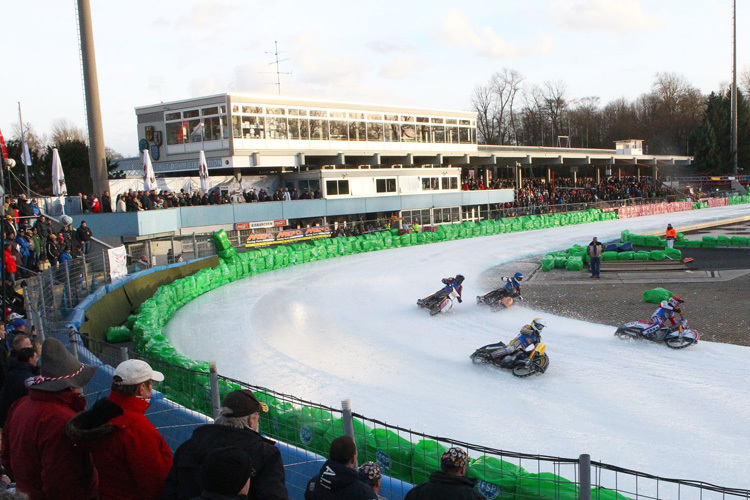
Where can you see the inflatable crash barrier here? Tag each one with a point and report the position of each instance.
(682, 242)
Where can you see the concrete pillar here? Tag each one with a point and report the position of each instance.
(598, 175)
(97, 158)
(409, 159)
(639, 173)
(656, 172)
(375, 162)
(549, 175)
(575, 176)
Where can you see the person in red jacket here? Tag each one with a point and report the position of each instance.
(36, 452)
(132, 458)
(10, 264)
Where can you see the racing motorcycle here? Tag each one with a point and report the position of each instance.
(676, 337)
(498, 299)
(522, 363)
(437, 302)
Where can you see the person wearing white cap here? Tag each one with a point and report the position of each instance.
(132, 458)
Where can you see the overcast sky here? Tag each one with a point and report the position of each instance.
(419, 53)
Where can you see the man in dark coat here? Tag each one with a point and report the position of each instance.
(106, 202)
(36, 452)
(225, 474)
(84, 236)
(450, 482)
(22, 365)
(338, 479)
(237, 425)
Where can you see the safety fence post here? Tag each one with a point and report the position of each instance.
(73, 337)
(213, 376)
(346, 416)
(123, 354)
(584, 477)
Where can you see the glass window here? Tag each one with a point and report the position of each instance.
(195, 129)
(193, 113)
(463, 135)
(374, 117)
(275, 111)
(298, 128)
(213, 128)
(408, 133)
(175, 133)
(235, 108)
(437, 120)
(473, 135)
(222, 110)
(253, 127)
(407, 118)
(236, 126)
(452, 135)
(385, 185)
(392, 118)
(450, 122)
(298, 112)
(337, 114)
(338, 130)
(464, 122)
(252, 110)
(449, 183)
(374, 131)
(211, 111)
(336, 187)
(422, 119)
(357, 116)
(423, 133)
(308, 185)
(392, 132)
(438, 134)
(276, 127)
(357, 131)
(172, 116)
(318, 112)
(319, 130)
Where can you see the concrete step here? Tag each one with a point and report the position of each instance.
(642, 265)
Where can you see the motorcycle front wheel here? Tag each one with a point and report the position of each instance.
(538, 365)
(679, 343)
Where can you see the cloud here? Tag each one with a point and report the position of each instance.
(208, 14)
(206, 85)
(402, 66)
(620, 16)
(314, 65)
(383, 46)
(486, 42)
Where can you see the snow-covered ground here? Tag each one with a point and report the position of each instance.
(350, 328)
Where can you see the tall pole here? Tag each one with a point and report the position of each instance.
(26, 167)
(97, 157)
(733, 149)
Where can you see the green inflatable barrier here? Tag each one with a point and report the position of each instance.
(640, 255)
(496, 479)
(560, 262)
(656, 295)
(221, 241)
(117, 334)
(653, 241)
(131, 321)
(657, 255)
(391, 452)
(739, 241)
(548, 263)
(546, 486)
(673, 254)
(626, 255)
(609, 256)
(637, 240)
(426, 460)
(362, 435)
(723, 241)
(694, 243)
(574, 264)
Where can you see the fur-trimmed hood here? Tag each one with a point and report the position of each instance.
(93, 425)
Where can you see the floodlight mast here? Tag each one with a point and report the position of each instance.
(733, 144)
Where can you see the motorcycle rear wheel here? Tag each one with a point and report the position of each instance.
(480, 358)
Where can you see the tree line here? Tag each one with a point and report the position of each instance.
(673, 118)
(72, 146)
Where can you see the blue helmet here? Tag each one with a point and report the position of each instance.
(518, 276)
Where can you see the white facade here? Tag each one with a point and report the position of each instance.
(629, 147)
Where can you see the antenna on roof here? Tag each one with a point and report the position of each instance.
(278, 72)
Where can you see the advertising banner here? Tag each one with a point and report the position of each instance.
(118, 262)
(288, 236)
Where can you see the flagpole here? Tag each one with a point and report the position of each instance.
(23, 151)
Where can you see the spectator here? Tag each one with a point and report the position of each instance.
(225, 474)
(106, 202)
(369, 473)
(85, 203)
(65, 257)
(96, 206)
(450, 482)
(52, 250)
(595, 250)
(84, 236)
(4, 353)
(671, 235)
(338, 478)
(36, 452)
(130, 455)
(237, 425)
(10, 264)
(120, 205)
(22, 365)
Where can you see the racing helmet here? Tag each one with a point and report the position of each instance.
(675, 302)
(537, 325)
(459, 278)
(518, 276)
(666, 305)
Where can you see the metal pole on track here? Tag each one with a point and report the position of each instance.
(346, 416)
(584, 477)
(213, 376)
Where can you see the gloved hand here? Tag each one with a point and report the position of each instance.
(683, 322)
(519, 297)
(445, 281)
(459, 300)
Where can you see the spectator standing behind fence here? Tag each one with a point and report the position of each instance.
(595, 250)
(52, 250)
(369, 473)
(671, 235)
(84, 236)
(36, 452)
(450, 482)
(338, 479)
(236, 425)
(22, 365)
(225, 474)
(10, 264)
(132, 458)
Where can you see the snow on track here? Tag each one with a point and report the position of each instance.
(350, 328)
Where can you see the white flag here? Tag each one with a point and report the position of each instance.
(58, 177)
(25, 154)
(203, 172)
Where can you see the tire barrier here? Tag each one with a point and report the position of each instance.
(682, 242)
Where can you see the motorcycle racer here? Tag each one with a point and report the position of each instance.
(530, 334)
(666, 312)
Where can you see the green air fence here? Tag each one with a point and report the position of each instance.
(392, 452)
(425, 460)
(656, 295)
(495, 478)
(117, 334)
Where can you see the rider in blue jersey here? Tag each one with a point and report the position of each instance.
(666, 312)
(530, 334)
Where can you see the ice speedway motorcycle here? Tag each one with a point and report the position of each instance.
(498, 299)
(437, 302)
(522, 363)
(676, 337)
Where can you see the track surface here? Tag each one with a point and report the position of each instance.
(349, 328)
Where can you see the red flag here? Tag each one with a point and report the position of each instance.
(2, 146)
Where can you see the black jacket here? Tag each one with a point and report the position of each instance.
(84, 233)
(15, 385)
(336, 481)
(442, 486)
(266, 481)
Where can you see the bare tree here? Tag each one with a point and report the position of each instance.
(585, 118)
(556, 105)
(745, 81)
(63, 130)
(485, 105)
(37, 142)
(506, 85)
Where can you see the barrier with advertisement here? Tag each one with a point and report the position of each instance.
(288, 236)
(658, 208)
